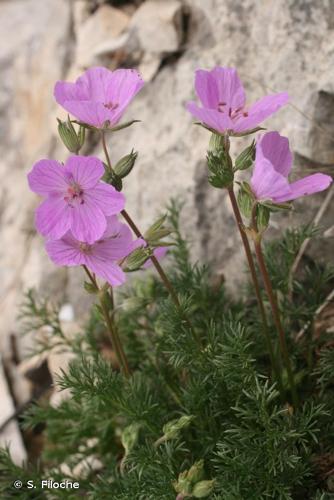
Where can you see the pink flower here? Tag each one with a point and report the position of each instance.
(100, 257)
(75, 198)
(223, 99)
(273, 164)
(99, 95)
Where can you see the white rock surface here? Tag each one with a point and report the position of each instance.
(104, 27)
(157, 24)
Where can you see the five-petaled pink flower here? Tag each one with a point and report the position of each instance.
(99, 95)
(224, 102)
(76, 198)
(101, 257)
(273, 164)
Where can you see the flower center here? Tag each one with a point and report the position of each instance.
(74, 194)
(232, 113)
(85, 247)
(110, 105)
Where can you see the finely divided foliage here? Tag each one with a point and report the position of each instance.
(176, 389)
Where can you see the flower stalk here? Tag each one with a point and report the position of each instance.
(106, 303)
(274, 307)
(168, 285)
(222, 166)
(256, 285)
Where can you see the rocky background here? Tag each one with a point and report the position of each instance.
(277, 45)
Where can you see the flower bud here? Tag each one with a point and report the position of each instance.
(246, 158)
(69, 136)
(245, 200)
(183, 485)
(216, 142)
(129, 437)
(157, 232)
(172, 429)
(262, 218)
(124, 166)
(90, 288)
(220, 166)
(113, 179)
(203, 489)
(136, 259)
(133, 304)
(196, 471)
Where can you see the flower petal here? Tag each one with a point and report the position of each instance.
(109, 271)
(66, 91)
(260, 110)
(88, 222)
(53, 217)
(97, 80)
(275, 148)
(123, 85)
(92, 113)
(84, 170)
(106, 198)
(113, 227)
(47, 177)
(213, 119)
(115, 248)
(267, 183)
(308, 185)
(230, 89)
(207, 89)
(65, 252)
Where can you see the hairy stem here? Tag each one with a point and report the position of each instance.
(274, 309)
(256, 285)
(154, 260)
(105, 149)
(115, 340)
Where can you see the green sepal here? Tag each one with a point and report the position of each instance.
(124, 166)
(72, 140)
(276, 207)
(129, 437)
(220, 167)
(246, 132)
(216, 142)
(245, 200)
(156, 232)
(196, 471)
(262, 218)
(90, 288)
(203, 488)
(136, 259)
(245, 158)
(121, 127)
(172, 429)
(183, 485)
(113, 179)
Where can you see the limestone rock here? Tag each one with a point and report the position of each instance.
(33, 56)
(157, 24)
(105, 26)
